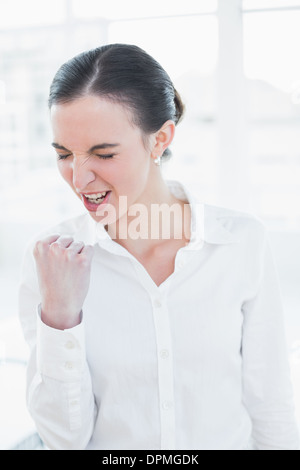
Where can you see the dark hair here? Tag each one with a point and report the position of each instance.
(125, 74)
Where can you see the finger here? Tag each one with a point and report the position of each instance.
(51, 239)
(64, 241)
(42, 245)
(76, 247)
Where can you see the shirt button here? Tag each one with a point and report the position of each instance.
(74, 403)
(70, 345)
(164, 354)
(157, 303)
(180, 264)
(69, 365)
(167, 405)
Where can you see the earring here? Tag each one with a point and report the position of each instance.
(157, 161)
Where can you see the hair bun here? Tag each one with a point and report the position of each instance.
(180, 108)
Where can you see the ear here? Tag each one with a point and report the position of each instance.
(163, 138)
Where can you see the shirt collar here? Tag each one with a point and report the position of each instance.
(206, 225)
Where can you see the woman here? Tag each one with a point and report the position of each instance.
(156, 329)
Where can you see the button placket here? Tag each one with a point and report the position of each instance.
(165, 373)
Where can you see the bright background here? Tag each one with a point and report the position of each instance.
(236, 64)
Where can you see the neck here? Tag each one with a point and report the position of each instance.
(158, 216)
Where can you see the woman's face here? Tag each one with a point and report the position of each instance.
(100, 151)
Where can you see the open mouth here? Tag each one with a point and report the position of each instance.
(96, 198)
(93, 201)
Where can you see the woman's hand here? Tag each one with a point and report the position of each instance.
(63, 268)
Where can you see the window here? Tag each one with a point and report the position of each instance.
(272, 69)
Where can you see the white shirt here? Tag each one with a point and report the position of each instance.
(199, 362)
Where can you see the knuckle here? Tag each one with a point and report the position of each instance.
(38, 247)
(66, 238)
(56, 249)
(54, 246)
(77, 245)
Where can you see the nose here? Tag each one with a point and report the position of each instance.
(82, 173)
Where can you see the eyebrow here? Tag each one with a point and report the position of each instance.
(95, 147)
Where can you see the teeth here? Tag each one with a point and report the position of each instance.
(95, 196)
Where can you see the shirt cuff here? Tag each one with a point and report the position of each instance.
(61, 354)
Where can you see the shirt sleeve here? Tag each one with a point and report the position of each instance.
(268, 391)
(59, 388)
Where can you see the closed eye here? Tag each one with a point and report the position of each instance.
(105, 157)
(63, 157)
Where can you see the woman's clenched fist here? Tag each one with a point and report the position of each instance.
(63, 268)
